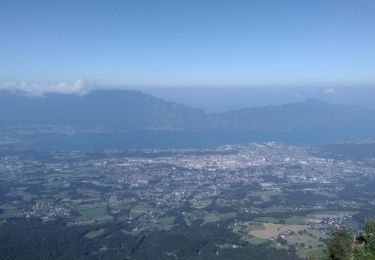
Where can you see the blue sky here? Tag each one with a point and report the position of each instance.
(190, 42)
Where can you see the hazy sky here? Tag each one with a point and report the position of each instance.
(190, 42)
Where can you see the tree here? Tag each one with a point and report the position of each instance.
(340, 245)
(369, 234)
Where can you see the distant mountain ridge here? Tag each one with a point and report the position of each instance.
(130, 110)
(222, 99)
(309, 115)
(133, 110)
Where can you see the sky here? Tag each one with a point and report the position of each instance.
(175, 43)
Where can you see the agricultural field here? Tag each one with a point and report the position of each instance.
(272, 230)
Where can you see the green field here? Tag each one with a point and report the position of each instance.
(296, 220)
(266, 219)
(253, 226)
(165, 223)
(92, 214)
(265, 196)
(210, 218)
(95, 233)
(255, 240)
(141, 209)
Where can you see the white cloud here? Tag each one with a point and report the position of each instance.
(330, 91)
(77, 87)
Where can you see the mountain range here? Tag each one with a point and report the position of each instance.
(134, 111)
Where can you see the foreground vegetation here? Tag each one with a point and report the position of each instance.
(342, 245)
